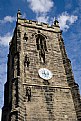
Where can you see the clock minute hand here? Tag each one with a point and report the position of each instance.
(44, 73)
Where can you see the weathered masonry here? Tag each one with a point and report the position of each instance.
(40, 84)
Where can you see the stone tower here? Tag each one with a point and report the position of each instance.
(40, 84)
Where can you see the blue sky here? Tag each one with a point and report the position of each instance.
(68, 13)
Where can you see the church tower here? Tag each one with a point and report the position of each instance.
(40, 84)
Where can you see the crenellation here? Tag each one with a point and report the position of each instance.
(39, 25)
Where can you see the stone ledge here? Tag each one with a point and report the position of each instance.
(46, 86)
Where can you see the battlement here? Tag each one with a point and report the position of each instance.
(36, 24)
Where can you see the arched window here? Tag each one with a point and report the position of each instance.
(41, 42)
(41, 45)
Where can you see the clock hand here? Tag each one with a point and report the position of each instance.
(44, 73)
(47, 73)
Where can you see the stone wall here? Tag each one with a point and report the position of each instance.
(31, 98)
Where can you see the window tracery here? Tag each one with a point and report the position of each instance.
(41, 45)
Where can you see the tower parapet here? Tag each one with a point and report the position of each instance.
(39, 25)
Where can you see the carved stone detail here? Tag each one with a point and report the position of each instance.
(26, 61)
(25, 37)
(28, 94)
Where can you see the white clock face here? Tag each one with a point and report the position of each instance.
(45, 73)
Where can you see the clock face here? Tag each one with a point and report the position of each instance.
(45, 73)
